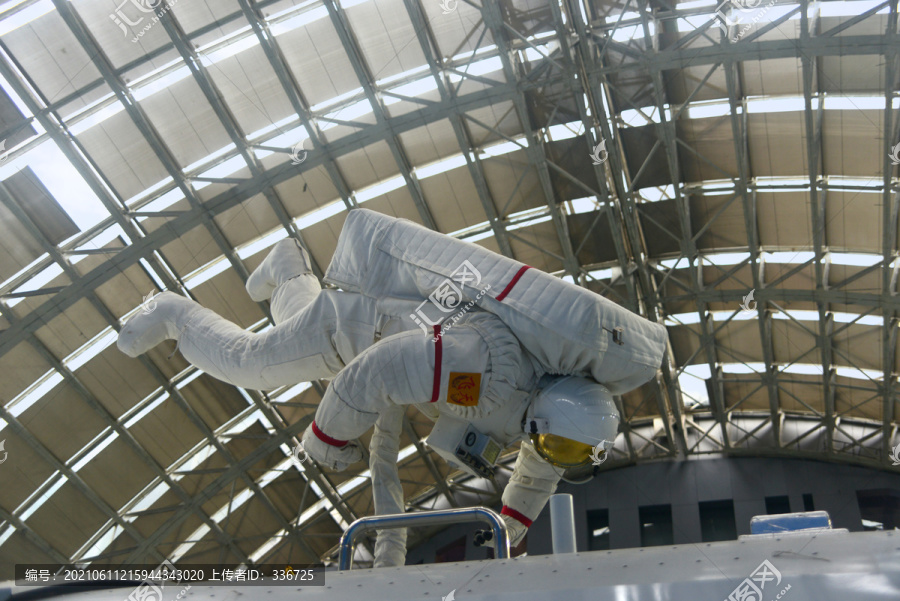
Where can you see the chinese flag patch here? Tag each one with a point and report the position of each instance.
(464, 388)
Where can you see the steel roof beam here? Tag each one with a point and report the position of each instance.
(669, 399)
(429, 48)
(367, 81)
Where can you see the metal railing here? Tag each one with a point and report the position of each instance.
(425, 518)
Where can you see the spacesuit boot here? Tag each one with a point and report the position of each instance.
(286, 260)
(164, 321)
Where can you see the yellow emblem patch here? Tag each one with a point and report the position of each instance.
(464, 388)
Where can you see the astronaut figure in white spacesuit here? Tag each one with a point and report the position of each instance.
(489, 378)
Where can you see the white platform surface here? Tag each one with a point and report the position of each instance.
(831, 566)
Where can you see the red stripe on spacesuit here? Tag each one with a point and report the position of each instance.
(438, 356)
(516, 515)
(513, 282)
(325, 438)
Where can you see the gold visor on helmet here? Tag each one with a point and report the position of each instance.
(562, 452)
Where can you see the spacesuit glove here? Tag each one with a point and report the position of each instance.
(334, 454)
(516, 529)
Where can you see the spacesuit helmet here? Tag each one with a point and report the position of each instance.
(569, 418)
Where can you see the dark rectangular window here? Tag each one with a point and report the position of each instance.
(780, 504)
(598, 529)
(717, 520)
(879, 508)
(656, 525)
(455, 551)
(808, 504)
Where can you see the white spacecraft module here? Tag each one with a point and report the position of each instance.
(569, 329)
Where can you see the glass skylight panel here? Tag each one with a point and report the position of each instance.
(710, 109)
(850, 9)
(44, 277)
(207, 272)
(304, 18)
(441, 166)
(193, 539)
(781, 104)
(859, 374)
(163, 202)
(465, 56)
(265, 131)
(679, 263)
(565, 131)
(584, 205)
(90, 455)
(11, 22)
(26, 269)
(251, 248)
(788, 257)
(380, 188)
(320, 214)
(336, 99)
(696, 4)
(112, 531)
(503, 148)
(210, 158)
(634, 118)
(482, 67)
(721, 259)
(744, 368)
(540, 51)
(683, 318)
(62, 181)
(381, 83)
(529, 222)
(160, 83)
(854, 103)
(223, 169)
(94, 347)
(195, 373)
(657, 193)
(854, 259)
(240, 40)
(610, 273)
(798, 314)
(146, 410)
(806, 369)
(412, 89)
(6, 533)
(347, 113)
(79, 126)
(692, 382)
(29, 511)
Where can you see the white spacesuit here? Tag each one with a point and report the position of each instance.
(521, 360)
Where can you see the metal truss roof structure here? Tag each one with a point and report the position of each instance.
(728, 170)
